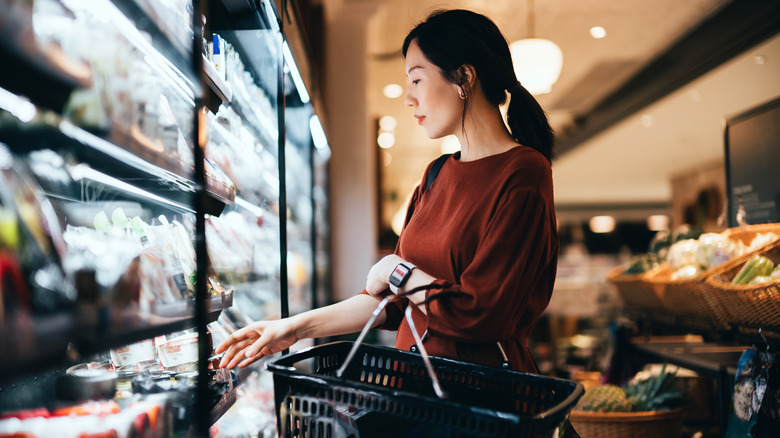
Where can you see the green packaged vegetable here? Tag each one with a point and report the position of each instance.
(757, 266)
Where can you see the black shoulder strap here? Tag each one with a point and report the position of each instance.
(428, 181)
(435, 171)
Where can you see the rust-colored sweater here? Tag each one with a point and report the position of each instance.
(486, 229)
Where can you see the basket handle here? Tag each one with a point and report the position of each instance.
(408, 314)
(362, 335)
(434, 380)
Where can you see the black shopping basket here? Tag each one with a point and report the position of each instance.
(385, 392)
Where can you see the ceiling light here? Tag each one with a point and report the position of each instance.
(450, 144)
(598, 32)
(387, 123)
(658, 222)
(385, 140)
(537, 61)
(393, 91)
(759, 59)
(602, 224)
(647, 121)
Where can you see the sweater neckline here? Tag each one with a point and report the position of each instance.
(456, 156)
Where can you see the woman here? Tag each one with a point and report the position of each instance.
(481, 244)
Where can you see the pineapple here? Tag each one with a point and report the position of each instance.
(662, 391)
(605, 398)
(652, 393)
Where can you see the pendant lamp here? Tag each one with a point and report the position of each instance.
(537, 61)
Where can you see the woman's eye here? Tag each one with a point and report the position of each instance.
(415, 82)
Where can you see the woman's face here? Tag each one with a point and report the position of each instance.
(437, 105)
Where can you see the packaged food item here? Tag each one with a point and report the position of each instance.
(134, 353)
(179, 351)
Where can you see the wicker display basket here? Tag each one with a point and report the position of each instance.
(749, 307)
(640, 298)
(692, 300)
(653, 424)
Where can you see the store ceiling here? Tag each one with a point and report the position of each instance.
(627, 159)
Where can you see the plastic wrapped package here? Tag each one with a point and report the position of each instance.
(682, 253)
(715, 249)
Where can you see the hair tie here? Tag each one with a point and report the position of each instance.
(517, 86)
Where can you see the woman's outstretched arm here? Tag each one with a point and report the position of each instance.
(262, 338)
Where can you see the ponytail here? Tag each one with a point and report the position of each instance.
(528, 122)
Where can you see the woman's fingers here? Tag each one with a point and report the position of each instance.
(250, 331)
(258, 345)
(250, 360)
(236, 350)
(229, 341)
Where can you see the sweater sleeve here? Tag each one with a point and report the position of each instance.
(394, 311)
(519, 246)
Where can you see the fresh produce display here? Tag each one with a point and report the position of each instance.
(690, 258)
(690, 253)
(758, 269)
(645, 392)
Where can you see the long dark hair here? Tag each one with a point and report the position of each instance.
(452, 38)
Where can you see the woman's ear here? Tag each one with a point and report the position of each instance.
(467, 77)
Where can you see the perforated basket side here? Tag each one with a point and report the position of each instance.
(392, 386)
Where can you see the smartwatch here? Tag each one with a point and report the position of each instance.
(400, 275)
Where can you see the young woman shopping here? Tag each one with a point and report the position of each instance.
(480, 245)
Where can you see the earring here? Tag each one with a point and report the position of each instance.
(462, 94)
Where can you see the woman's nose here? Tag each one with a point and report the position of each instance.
(408, 99)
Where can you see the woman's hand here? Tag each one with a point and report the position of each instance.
(379, 274)
(259, 339)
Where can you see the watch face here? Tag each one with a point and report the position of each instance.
(398, 275)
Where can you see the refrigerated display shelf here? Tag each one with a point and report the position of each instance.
(257, 123)
(34, 344)
(122, 328)
(220, 89)
(173, 310)
(30, 65)
(223, 405)
(177, 52)
(134, 162)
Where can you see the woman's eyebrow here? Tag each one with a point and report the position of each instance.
(412, 68)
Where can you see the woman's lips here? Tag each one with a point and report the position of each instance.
(419, 119)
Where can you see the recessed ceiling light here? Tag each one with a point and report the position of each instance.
(598, 32)
(658, 222)
(759, 59)
(647, 121)
(385, 140)
(393, 91)
(387, 123)
(602, 224)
